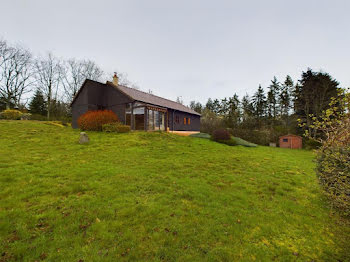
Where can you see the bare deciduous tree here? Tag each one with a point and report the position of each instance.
(15, 73)
(48, 72)
(74, 74)
(92, 70)
(3, 51)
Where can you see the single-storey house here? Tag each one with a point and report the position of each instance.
(140, 110)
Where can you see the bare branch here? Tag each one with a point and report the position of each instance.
(16, 73)
(74, 74)
(48, 72)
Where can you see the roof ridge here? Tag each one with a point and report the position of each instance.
(150, 94)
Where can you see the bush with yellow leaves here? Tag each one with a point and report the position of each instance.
(333, 157)
(11, 114)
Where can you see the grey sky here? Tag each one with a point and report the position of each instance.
(190, 48)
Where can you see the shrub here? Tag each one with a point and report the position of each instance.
(260, 137)
(38, 117)
(11, 114)
(26, 116)
(123, 129)
(333, 157)
(333, 171)
(220, 135)
(333, 165)
(116, 127)
(311, 144)
(111, 127)
(94, 120)
(210, 122)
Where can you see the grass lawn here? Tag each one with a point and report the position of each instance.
(237, 141)
(158, 196)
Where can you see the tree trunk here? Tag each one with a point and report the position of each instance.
(48, 108)
(49, 103)
(8, 102)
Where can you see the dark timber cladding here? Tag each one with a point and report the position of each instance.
(140, 110)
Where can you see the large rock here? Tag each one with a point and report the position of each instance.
(84, 139)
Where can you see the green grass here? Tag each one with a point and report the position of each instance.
(236, 140)
(242, 142)
(158, 196)
(201, 135)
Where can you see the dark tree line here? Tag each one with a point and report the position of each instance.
(273, 111)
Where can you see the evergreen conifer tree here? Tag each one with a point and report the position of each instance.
(38, 104)
(216, 106)
(210, 105)
(259, 102)
(247, 108)
(285, 96)
(272, 98)
(233, 116)
(313, 95)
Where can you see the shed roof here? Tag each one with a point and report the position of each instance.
(291, 135)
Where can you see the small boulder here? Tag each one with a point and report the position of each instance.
(84, 139)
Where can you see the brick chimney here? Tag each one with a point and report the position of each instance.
(115, 79)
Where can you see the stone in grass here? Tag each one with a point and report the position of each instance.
(84, 139)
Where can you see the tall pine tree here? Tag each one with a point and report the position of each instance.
(196, 106)
(233, 115)
(259, 102)
(285, 96)
(224, 107)
(210, 105)
(216, 106)
(272, 98)
(247, 108)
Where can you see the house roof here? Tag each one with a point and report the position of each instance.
(152, 99)
(141, 96)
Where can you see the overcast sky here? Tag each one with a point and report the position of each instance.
(190, 48)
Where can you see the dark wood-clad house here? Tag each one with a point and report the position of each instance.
(140, 110)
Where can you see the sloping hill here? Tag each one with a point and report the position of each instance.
(238, 141)
(158, 196)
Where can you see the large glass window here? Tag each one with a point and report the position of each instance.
(150, 120)
(156, 120)
(138, 115)
(162, 121)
